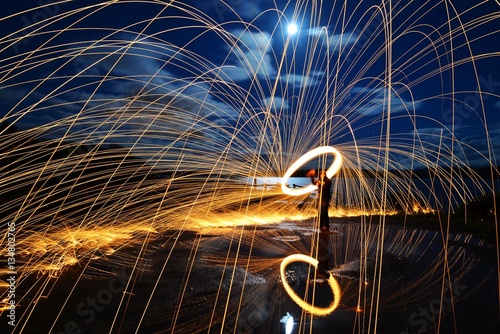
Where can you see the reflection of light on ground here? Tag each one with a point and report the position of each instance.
(64, 246)
(238, 219)
(270, 217)
(288, 321)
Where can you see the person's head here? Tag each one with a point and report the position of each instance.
(322, 174)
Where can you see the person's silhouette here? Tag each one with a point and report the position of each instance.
(324, 196)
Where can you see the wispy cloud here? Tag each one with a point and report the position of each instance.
(334, 40)
(250, 58)
(276, 103)
(300, 80)
(374, 101)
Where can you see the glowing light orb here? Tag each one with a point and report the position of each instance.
(334, 168)
(292, 29)
(332, 282)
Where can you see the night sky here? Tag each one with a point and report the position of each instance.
(232, 64)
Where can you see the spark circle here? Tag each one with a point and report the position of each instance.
(332, 282)
(334, 168)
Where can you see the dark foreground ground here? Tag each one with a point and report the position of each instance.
(228, 281)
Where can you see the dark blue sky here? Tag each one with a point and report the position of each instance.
(227, 65)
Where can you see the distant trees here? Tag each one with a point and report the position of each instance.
(480, 208)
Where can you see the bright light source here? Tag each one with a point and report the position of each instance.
(288, 321)
(292, 29)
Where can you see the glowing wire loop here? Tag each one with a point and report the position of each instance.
(334, 168)
(332, 282)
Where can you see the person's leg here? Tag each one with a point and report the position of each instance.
(323, 259)
(324, 218)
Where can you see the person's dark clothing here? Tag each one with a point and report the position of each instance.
(324, 197)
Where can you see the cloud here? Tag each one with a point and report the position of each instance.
(10, 96)
(250, 58)
(276, 103)
(300, 80)
(37, 108)
(373, 101)
(335, 41)
(141, 73)
(470, 147)
(430, 131)
(139, 59)
(341, 40)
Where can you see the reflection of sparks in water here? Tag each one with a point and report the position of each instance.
(57, 249)
(332, 282)
(116, 147)
(288, 321)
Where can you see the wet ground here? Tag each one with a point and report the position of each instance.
(228, 280)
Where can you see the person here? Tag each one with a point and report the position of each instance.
(324, 185)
